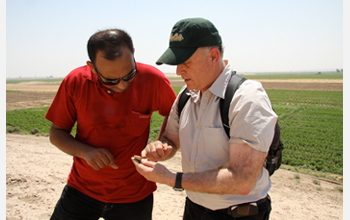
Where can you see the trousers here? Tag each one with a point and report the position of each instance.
(194, 211)
(74, 205)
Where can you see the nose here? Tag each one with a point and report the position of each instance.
(179, 70)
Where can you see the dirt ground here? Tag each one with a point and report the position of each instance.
(36, 171)
(295, 84)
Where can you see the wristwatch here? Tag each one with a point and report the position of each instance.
(178, 186)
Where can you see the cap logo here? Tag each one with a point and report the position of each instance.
(176, 37)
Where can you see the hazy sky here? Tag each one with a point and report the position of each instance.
(48, 38)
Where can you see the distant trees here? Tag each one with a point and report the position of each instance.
(339, 70)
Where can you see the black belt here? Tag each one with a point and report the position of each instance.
(246, 209)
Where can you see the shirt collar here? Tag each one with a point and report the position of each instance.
(89, 75)
(218, 88)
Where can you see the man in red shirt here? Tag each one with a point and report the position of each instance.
(111, 99)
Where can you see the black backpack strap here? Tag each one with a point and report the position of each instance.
(234, 82)
(274, 158)
(232, 86)
(182, 101)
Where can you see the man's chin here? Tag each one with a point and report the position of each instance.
(190, 87)
(118, 90)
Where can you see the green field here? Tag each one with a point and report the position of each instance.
(10, 81)
(326, 75)
(311, 127)
(296, 76)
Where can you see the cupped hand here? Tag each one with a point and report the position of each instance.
(156, 151)
(154, 171)
(98, 158)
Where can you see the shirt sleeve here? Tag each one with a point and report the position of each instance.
(167, 97)
(62, 110)
(251, 117)
(173, 119)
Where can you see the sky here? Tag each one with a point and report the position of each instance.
(48, 38)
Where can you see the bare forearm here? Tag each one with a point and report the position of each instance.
(64, 141)
(246, 165)
(97, 158)
(222, 181)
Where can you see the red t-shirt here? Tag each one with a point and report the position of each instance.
(117, 122)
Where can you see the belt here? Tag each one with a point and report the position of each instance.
(246, 209)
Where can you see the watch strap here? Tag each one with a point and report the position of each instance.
(178, 181)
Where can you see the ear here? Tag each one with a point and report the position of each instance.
(92, 67)
(215, 55)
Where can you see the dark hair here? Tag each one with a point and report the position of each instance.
(109, 41)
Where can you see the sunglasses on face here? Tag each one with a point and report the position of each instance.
(112, 82)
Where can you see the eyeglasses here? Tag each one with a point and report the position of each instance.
(112, 82)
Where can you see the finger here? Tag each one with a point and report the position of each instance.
(95, 166)
(108, 160)
(103, 161)
(154, 156)
(157, 150)
(144, 153)
(160, 151)
(136, 159)
(143, 162)
(114, 165)
(100, 163)
(138, 165)
(151, 153)
(165, 146)
(109, 156)
(168, 150)
(148, 163)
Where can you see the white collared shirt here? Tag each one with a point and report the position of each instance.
(204, 143)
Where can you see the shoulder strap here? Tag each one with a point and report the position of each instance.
(233, 84)
(274, 159)
(182, 101)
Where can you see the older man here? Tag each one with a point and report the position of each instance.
(224, 178)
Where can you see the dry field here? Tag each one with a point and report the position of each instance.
(38, 94)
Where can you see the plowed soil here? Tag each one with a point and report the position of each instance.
(39, 94)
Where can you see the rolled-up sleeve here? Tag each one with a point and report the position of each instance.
(173, 119)
(252, 119)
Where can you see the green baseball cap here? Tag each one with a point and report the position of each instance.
(186, 36)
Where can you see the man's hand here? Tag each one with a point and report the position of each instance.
(155, 172)
(98, 158)
(156, 151)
